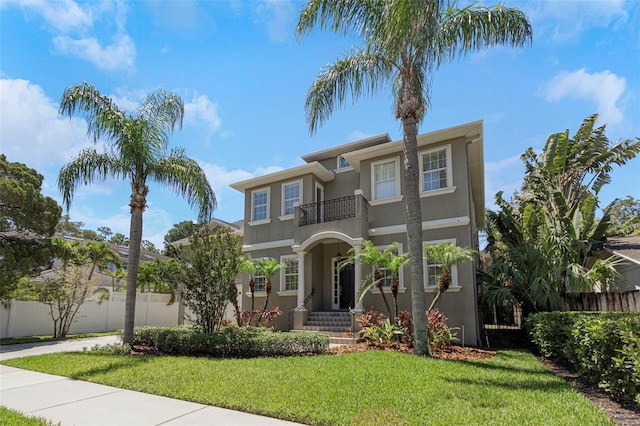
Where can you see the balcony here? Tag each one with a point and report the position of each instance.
(345, 214)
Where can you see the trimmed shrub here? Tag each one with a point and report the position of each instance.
(603, 346)
(231, 342)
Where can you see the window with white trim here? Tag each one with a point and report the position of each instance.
(433, 271)
(435, 169)
(259, 283)
(291, 195)
(289, 273)
(385, 181)
(260, 204)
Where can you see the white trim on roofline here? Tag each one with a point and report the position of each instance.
(431, 224)
(267, 245)
(315, 168)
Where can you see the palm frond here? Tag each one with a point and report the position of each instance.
(359, 73)
(87, 167)
(102, 116)
(185, 177)
(476, 28)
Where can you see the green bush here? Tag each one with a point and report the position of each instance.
(231, 342)
(603, 346)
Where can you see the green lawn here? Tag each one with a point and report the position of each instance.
(15, 418)
(367, 388)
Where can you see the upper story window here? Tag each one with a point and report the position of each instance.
(291, 195)
(385, 179)
(342, 162)
(260, 204)
(435, 169)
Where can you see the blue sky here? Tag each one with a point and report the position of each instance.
(243, 77)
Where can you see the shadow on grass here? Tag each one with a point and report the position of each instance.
(116, 363)
(532, 384)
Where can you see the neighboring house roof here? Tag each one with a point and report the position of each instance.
(314, 168)
(348, 147)
(236, 227)
(625, 247)
(100, 279)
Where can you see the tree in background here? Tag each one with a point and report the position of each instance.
(209, 269)
(624, 217)
(27, 220)
(100, 255)
(541, 242)
(405, 43)
(138, 153)
(177, 232)
(105, 232)
(149, 246)
(69, 228)
(119, 239)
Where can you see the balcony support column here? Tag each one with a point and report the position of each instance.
(358, 279)
(301, 280)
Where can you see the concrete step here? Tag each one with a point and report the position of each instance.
(336, 338)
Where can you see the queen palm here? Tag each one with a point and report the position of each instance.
(138, 152)
(404, 43)
(100, 256)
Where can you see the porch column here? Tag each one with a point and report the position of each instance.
(301, 288)
(357, 275)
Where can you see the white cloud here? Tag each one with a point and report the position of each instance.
(278, 18)
(566, 20)
(62, 15)
(604, 89)
(201, 109)
(75, 33)
(31, 131)
(119, 55)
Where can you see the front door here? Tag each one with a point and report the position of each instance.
(343, 291)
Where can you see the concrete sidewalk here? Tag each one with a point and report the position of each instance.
(75, 402)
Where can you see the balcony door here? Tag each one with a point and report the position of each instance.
(319, 204)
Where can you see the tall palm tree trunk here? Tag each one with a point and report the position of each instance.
(414, 233)
(135, 238)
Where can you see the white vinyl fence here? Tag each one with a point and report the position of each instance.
(19, 318)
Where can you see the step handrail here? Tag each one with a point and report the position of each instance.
(300, 307)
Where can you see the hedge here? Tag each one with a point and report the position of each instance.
(603, 346)
(231, 342)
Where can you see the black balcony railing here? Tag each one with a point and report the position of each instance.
(329, 210)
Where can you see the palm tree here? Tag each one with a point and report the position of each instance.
(395, 261)
(405, 43)
(377, 259)
(268, 268)
(446, 256)
(137, 153)
(250, 266)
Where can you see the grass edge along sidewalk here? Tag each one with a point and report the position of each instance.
(375, 387)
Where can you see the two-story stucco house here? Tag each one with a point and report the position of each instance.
(310, 216)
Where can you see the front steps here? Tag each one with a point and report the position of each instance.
(337, 325)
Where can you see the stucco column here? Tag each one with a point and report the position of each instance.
(357, 278)
(301, 287)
